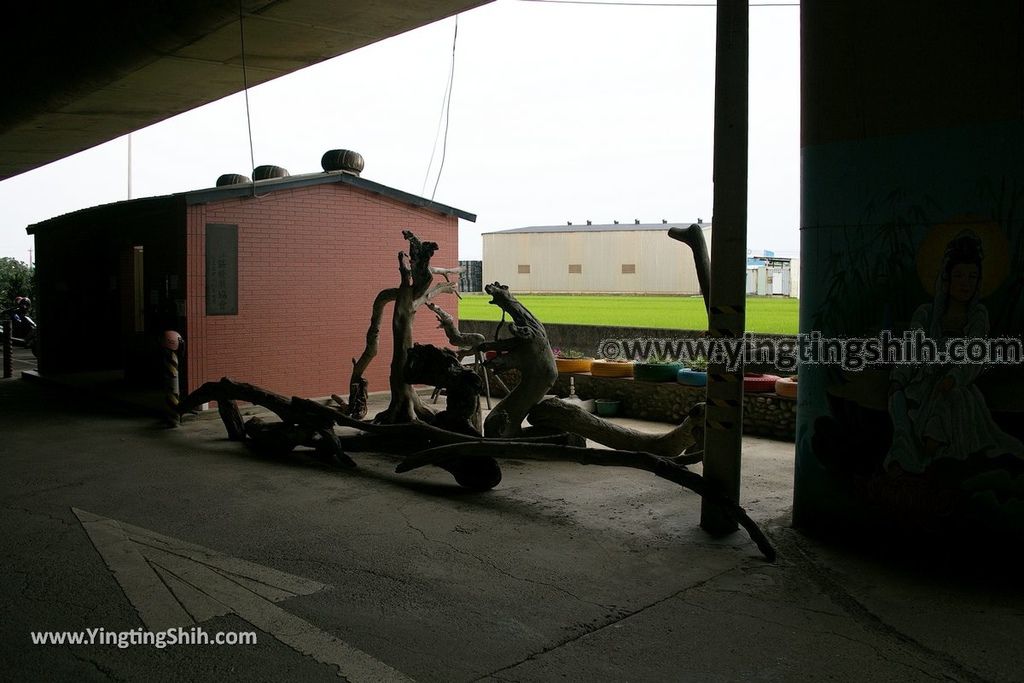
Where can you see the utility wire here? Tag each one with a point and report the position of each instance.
(437, 136)
(447, 109)
(245, 88)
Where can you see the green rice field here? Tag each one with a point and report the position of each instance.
(764, 314)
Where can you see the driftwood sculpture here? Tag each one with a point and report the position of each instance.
(453, 439)
(528, 351)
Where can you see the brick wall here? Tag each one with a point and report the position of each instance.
(310, 262)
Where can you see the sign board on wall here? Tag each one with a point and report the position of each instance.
(221, 269)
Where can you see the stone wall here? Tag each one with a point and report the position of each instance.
(763, 414)
(587, 338)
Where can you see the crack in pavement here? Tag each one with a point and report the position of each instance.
(598, 628)
(503, 572)
(46, 490)
(107, 673)
(830, 586)
(38, 513)
(795, 627)
(341, 567)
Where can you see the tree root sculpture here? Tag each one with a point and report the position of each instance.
(453, 439)
(415, 289)
(303, 422)
(307, 423)
(528, 351)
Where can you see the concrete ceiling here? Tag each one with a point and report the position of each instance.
(78, 74)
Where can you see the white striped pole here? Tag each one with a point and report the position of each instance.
(172, 387)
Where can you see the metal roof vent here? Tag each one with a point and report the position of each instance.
(342, 160)
(232, 179)
(268, 172)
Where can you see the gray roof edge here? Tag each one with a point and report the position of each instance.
(601, 227)
(309, 179)
(141, 202)
(206, 195)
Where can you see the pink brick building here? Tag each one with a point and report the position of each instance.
(272, 287)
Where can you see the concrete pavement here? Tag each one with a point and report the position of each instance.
(563, 572)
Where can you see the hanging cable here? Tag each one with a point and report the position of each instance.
(245, 88)
(437, 135)
(447, 110)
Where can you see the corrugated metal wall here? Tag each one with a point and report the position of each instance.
(660, 264)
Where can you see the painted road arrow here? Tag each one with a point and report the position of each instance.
(172, 583)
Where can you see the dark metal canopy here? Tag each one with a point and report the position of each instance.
(78, 74)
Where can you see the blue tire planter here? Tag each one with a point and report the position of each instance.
(692, 378)
(656, 372)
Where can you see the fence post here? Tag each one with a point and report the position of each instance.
(172, 396)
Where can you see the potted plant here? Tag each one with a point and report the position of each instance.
(570, 360)
(657, 369)
(695, 374)
(607, 407)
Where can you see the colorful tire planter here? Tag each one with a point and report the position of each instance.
(786, 387)
(692, 378)
(611, 368)
(759, 384)
(572, 365)
(656, 372)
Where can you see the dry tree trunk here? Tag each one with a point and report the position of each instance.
(414, 290)
(529, 352)
(559, 415)
(303, 422)
(415, 279)
(358, 391)
(466, 342)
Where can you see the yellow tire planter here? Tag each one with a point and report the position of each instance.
(611, 368)
(786, 387)
(568, 365)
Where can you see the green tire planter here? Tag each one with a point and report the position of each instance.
(656, 372)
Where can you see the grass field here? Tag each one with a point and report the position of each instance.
(764, 314)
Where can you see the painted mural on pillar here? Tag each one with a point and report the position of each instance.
(924, 234)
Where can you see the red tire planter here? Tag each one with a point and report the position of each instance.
(759, 384)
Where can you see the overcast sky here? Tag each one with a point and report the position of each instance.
(559, 112)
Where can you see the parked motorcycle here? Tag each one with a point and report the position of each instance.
(24, 331)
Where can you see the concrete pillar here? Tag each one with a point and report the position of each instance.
(726, 317)
(912, 138)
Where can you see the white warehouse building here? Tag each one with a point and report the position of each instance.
(618, 258)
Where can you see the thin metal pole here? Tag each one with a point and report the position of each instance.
(8, 357)
(129, 165)
(726, 317)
